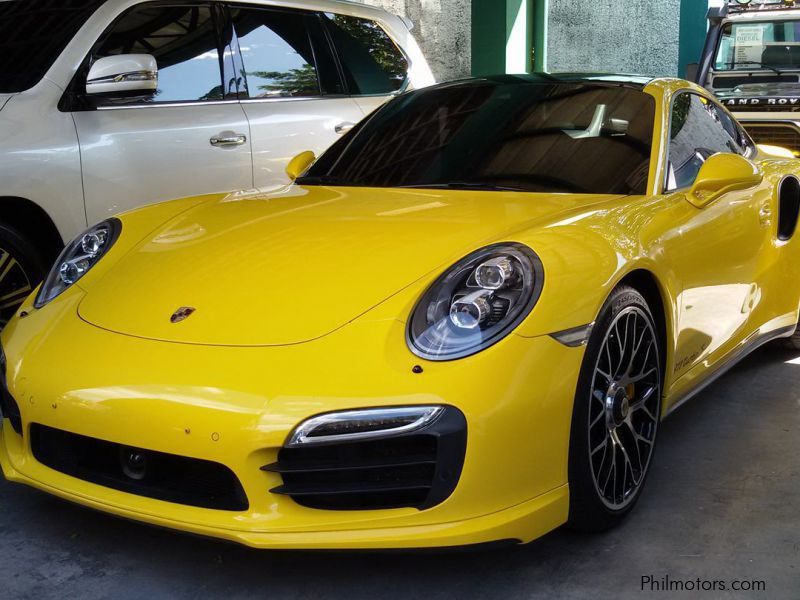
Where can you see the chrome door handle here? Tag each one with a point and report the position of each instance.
(228, 140)
(344, 127)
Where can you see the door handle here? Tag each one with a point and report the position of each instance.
(344, 127)
(236, 139)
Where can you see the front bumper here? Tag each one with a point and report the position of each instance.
(237, 406)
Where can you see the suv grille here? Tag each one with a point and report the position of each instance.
(168, 477)
(418, 469)
(776, 134)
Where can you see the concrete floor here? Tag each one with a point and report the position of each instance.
(722, 502)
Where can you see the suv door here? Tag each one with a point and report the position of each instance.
(720, 248)
(290, 87)
(190, 137)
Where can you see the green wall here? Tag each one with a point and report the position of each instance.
(693, 29)
(492, 23)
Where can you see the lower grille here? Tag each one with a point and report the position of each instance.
(775, 134)
(418, 469)
(178, 479)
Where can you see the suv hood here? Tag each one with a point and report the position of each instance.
(761, 90)
(297, 264)
(4, 98)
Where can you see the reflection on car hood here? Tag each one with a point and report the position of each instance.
(295, 265)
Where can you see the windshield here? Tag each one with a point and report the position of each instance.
(504, 133)
(32, 35)
(770, 45)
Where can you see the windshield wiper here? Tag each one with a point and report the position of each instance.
(320, 180)
(753, 62)
(466, 185)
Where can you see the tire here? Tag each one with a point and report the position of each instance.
(792, 343)
(618, 398)
(21, 270)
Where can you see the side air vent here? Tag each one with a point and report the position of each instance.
(788, 207)
(418, 468)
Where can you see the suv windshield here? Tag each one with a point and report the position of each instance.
(771, 45)
(32, 35)
(504, 133)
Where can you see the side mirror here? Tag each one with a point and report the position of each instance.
(123, 74)
(299, 164)
(720, 174)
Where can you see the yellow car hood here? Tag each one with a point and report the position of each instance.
(292, 266)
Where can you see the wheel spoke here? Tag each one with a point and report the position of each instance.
(628, 355)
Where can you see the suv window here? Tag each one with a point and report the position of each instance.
(285, 54)
(183, 41)
(372, 63)
(698, 129)
(33, 34)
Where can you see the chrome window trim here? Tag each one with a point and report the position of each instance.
(168, 104)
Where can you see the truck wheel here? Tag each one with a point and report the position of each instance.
(21, 270)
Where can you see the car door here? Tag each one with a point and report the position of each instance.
(718, 251)
(291, 89)
(190, 137)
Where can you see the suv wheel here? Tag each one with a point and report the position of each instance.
(21, 270)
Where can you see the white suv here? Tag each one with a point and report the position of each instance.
(110, 104)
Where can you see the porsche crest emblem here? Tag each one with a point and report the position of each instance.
(183, 313)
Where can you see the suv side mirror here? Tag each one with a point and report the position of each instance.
(299, 164)
(123, 74)
(720, 174)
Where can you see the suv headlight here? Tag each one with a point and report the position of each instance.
(476, 302)
(77, 258)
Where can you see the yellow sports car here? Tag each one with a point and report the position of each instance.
(462, 324)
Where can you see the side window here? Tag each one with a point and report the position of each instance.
(183, 41)
(372, 63)
(284, 54)
(698, 129)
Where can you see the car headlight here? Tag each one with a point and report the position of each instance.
(77, 258)
(476, 302)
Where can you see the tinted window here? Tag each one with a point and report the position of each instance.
(184, 42)
(698, 129)
(372, 62)
(506, 132)
(33, 34)
(284, 54)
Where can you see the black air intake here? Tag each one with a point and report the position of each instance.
(418, 469)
